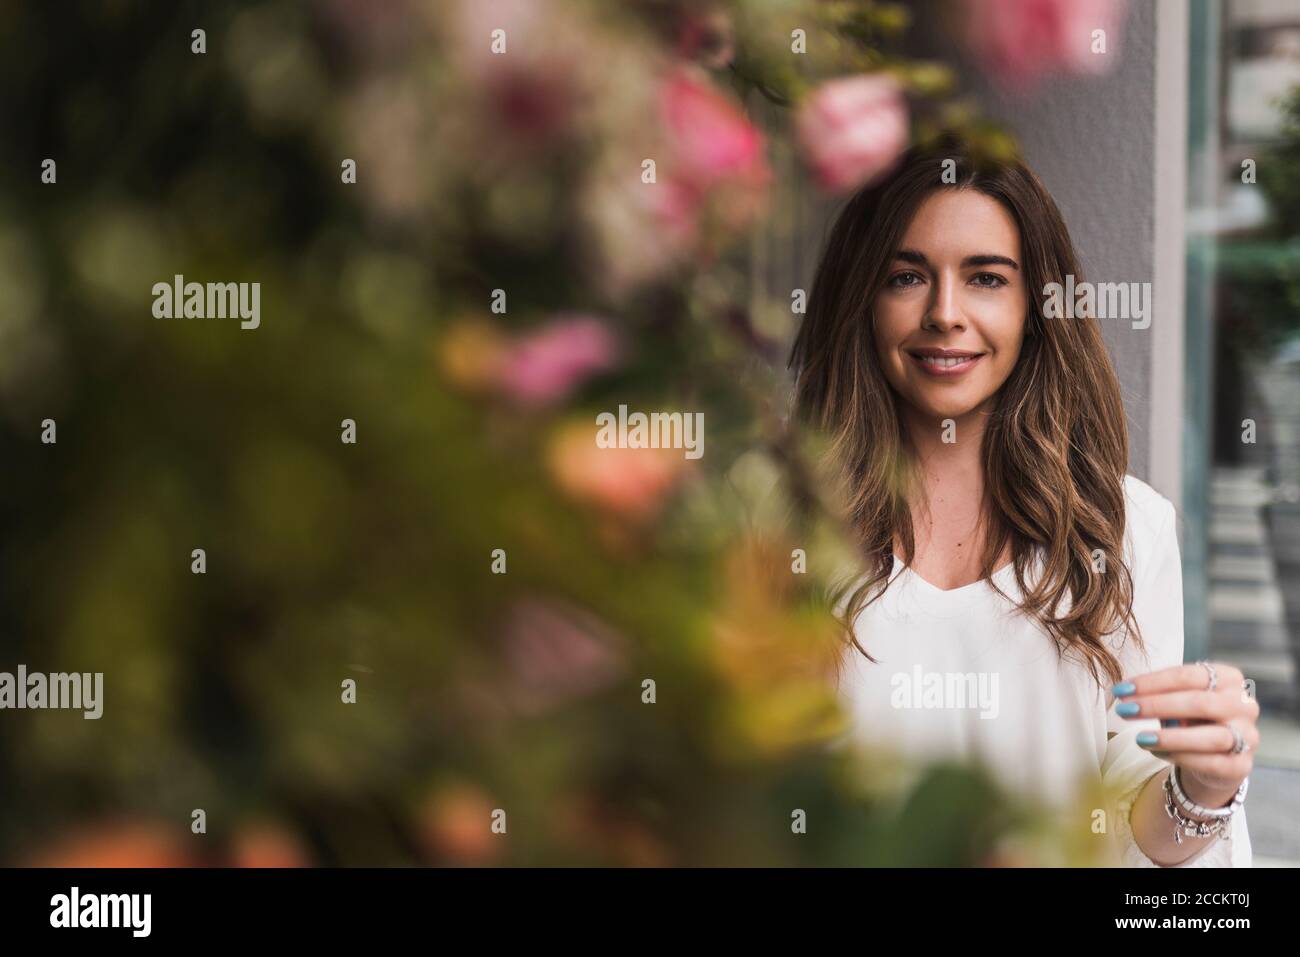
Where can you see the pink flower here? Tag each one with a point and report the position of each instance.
(710, 138)
(711, 181)
(545, 366)
(556, 653)
(715, 171)
(1019, 41)
(534, 105)
(853, 129)
(523, 76)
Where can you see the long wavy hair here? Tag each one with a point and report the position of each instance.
(1055, 448)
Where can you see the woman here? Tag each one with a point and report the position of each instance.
(1022, 604)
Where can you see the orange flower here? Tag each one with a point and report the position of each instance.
(470, 354)
(268, 845)
(625, 481)
(117, 844)
(456, 827)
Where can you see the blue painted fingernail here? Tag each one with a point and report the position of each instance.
(1148, 738)
(1127, 709)
(1124, 689)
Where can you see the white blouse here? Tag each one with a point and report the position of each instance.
(961, 675)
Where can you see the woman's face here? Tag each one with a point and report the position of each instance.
(950, 318)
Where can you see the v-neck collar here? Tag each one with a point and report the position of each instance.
(960, 590)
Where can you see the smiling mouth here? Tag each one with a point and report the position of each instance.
(945, 362)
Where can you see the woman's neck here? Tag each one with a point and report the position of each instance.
(948, 516)
(948, 454)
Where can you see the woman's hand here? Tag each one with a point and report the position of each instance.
(1195, 733)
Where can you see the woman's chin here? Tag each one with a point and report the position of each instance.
(940, 411)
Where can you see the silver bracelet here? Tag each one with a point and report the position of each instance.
(1220, 818)
(1196, 810)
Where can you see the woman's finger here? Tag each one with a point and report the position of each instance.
(1203, 738)
(1186, 705)
(1180, 678)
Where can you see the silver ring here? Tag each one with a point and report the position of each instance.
(1239, 745)
(1214, 679)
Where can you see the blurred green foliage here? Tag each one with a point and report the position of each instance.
(1261, 271)
(373, 561)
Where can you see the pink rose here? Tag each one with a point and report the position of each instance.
(852, 130)
(710, 138)
(1019, 41)
(715, 171)
(711, 181)
(545, 366)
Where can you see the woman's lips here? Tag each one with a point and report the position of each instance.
(941, 365)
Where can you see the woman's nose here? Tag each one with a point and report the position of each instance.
(944, 311)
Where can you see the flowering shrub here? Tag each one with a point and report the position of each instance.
(456, 630)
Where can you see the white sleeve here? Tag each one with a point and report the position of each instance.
(1158, 610)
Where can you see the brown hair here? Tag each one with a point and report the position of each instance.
(1055, 450)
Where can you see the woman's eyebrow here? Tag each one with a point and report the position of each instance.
(989, 259)
(983, 259)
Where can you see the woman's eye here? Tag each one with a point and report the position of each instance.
(904, 280)
(990, 280)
